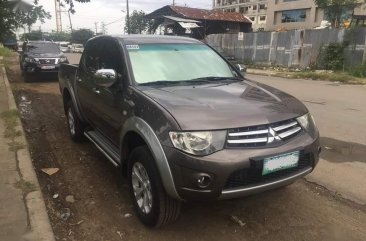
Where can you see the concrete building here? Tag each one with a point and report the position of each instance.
(293, 14)
(255, 10)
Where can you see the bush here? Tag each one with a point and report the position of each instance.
(5, 52)
(358, 71)
(334, 56)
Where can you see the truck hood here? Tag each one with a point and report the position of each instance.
(223, 106)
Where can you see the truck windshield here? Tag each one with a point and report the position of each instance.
(176, 62)
(43, 48)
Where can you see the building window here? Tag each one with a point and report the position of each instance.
(262, 7)
(262, 18)
(252, 19)
(292, 16)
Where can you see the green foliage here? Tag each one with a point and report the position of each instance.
(5, 52)
(12, 20)
(81, 36)
(60, 36)
(357, 71)
(138, 23)
(33, 35)
(334, 56)
(335, 9)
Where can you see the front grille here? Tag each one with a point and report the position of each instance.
(263, 135)
(47, 61)
(253, 175)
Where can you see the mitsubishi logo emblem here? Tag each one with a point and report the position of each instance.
(272, 136)
(47, 60)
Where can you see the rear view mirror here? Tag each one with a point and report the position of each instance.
(105, 77)
(241, 68)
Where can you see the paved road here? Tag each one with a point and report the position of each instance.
(340, 113)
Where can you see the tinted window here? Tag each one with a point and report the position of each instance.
(111, 58)
(175, 62)
(91, 58)
(43, 48)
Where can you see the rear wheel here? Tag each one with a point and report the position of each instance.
(75, 125)
(152, 204)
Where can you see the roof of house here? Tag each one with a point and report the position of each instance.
(199, 14)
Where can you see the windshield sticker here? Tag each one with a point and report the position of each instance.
(132, 47)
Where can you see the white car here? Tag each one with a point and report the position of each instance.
(77, 48)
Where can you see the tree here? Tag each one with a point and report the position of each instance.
(60, 36)
(12, 20)
(36, 13)
(33, 35)
(81, 36)
(138, 23)
(335, 9)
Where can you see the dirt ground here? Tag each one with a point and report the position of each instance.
(100, 211)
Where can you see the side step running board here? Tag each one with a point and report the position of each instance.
(104, 146)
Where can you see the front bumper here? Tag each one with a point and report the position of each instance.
(237, 172)
(41, 68)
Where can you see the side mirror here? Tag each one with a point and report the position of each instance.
(241, 68)
(105, 77)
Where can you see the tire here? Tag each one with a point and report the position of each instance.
(75, 126)
(157, 209)
(27, 77)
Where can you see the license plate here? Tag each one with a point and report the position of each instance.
(277, 163)
(48, 67)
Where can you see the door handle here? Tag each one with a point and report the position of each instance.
(96, 90)
(130, 103)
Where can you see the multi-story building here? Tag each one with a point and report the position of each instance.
(255, 10)
(293, 14)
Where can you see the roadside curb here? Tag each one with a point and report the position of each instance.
(40, 228)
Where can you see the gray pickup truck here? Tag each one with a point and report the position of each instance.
(183, 123)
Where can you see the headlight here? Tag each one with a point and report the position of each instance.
(307, 122)
(29, 60)
(199, 143)
(63, 60)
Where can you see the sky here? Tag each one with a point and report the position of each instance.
(108, 11)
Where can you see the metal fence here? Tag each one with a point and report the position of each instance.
(296, 48)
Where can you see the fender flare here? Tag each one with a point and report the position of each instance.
(73, 99)
(140, 126)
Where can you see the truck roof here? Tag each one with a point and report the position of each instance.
(144, 39)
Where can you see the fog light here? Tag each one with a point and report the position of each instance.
(204, 180)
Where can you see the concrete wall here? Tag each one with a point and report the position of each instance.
(296, 48)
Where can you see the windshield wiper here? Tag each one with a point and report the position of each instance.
(215, 78)
(161, 82)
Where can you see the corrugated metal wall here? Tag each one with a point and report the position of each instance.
(296, 48)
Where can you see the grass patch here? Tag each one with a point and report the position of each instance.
(331, 76)
(25, 186)
(5, 52)
(10, 118)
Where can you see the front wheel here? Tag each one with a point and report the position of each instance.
(152, 204)
(75, 125)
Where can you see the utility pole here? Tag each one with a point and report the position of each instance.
(128, 17)
(58, 16)
(173, 2)
(104, 28)
(70, 20)
(96, 28)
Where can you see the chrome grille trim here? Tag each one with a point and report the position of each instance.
(289, 133)
(244, 141)
(263, 135)
(280, 128)
(249, 133)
